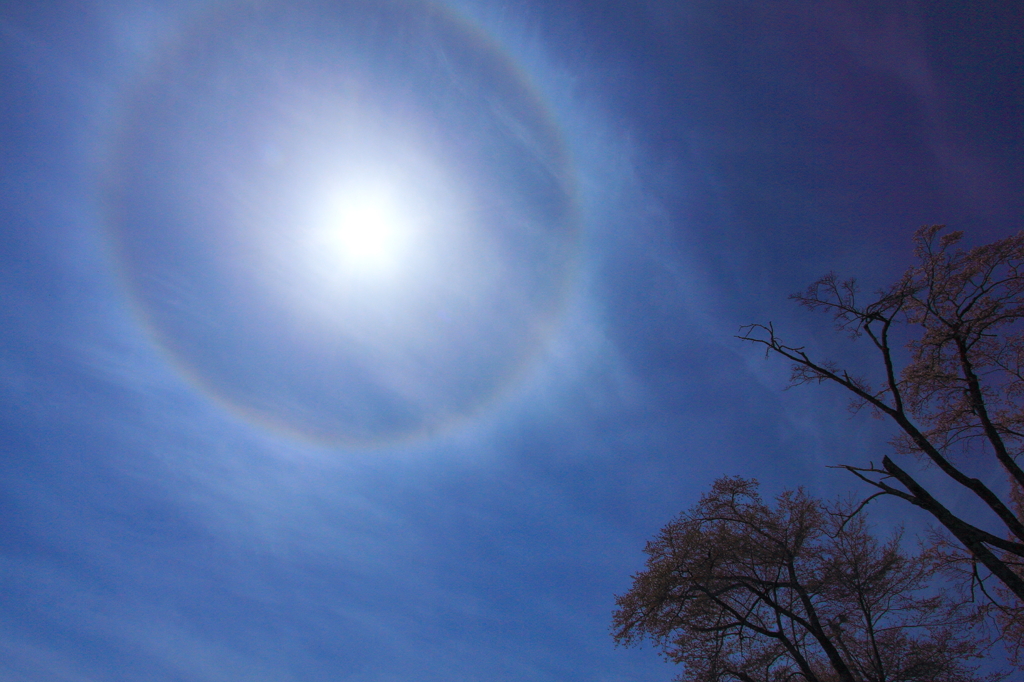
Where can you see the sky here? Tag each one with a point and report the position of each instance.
(370, 340)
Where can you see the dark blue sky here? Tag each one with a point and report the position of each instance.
(240, 441)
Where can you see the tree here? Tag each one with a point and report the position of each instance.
(737, 590)
(955, 391)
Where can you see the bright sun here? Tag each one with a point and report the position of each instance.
(362, 231)
(370, 238)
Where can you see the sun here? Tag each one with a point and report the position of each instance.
(363, 231)
(367, 233)
(373, 239)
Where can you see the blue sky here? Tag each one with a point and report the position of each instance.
(242, 440)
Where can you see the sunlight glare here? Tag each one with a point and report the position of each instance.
(370, 242)
(364, 232)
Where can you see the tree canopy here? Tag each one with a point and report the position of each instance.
(949, 337)
(739, 590)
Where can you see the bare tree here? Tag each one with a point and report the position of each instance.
(737, 590)
(956, 393)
